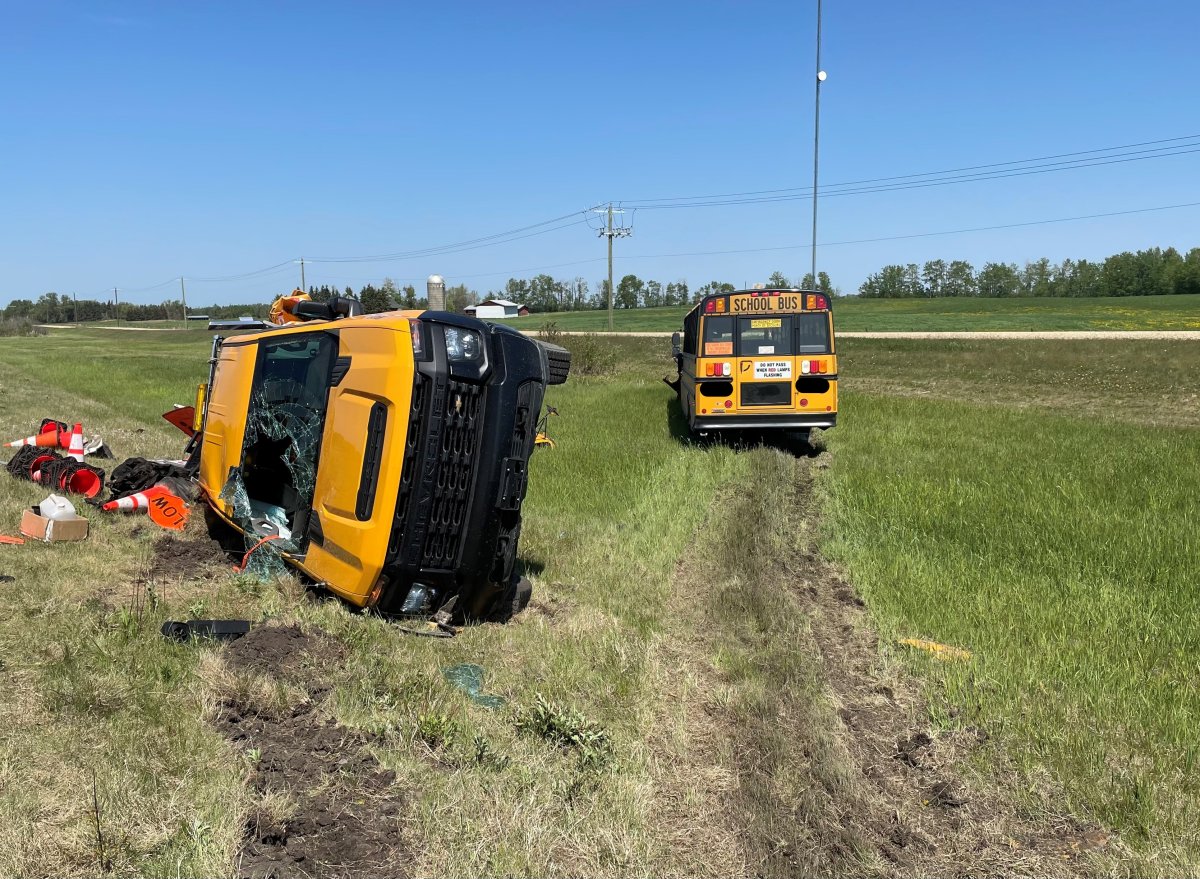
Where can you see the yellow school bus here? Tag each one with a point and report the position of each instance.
(758, 360)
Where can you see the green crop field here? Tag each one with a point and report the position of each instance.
(691, 669)
(1033, 502)
(853, 314)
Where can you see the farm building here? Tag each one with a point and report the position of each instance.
(493, 308)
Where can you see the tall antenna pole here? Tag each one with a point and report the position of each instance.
(75, 299)
(610, 233)
(183, 293)
(117, 305)
(816, 144)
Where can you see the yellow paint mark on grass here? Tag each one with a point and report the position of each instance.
(944, 652)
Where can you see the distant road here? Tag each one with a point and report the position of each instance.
(977, 334)
(85, 327)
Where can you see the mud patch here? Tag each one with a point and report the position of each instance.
(334, 810)
(288, 654)
(186, 558)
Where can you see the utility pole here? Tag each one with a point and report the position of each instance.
(610, 233)
(75, 299)
(117, 306)
(303, 286)
(816, 144)
(183, 293)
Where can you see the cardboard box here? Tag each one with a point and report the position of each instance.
(37, 526)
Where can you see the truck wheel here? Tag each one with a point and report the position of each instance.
(512, 600)
(558, 363)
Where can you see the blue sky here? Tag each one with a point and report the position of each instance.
(144, 141)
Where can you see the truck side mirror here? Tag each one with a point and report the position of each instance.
(675, 342)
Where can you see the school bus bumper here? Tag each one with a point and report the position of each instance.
(789, 421)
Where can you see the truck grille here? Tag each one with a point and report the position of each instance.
(456, 460)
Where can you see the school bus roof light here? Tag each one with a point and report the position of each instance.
(721, 305)
(710, 306)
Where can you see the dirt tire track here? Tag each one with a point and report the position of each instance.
(347, 819)
(872, 790)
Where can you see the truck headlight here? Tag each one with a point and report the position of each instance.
(463, 346)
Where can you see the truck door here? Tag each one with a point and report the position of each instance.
(362, 455)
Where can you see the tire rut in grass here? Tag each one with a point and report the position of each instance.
(347, 813)
(837, 772)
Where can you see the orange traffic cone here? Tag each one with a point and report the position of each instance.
(35, 468)
(85, 480)
(139, 501)
(76, 447)
(51, 439)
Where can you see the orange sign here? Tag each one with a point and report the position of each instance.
(718, 349)
(168, 511)
(183, 418)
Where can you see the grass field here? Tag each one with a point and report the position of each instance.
(1034, 503)
(853, 314)
(677, 675)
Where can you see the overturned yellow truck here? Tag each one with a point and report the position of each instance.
(389, 453)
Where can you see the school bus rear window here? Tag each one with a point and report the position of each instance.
(764, 335)
(812, 333)
(718, 336)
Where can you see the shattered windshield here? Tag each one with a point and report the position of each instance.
(283, 431)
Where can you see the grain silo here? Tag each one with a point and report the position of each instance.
(436, 287)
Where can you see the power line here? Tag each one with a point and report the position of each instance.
(516, 272)
(1168, 207)
(472, 244)
(997, 170)
(508, 272)
(924, 184)
(245, 276)
(944, 171)
(147, 289)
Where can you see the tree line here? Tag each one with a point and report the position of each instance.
(544, 293)
(541, 293)
(1153, 272)
(1142, 273)
(52, 308)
